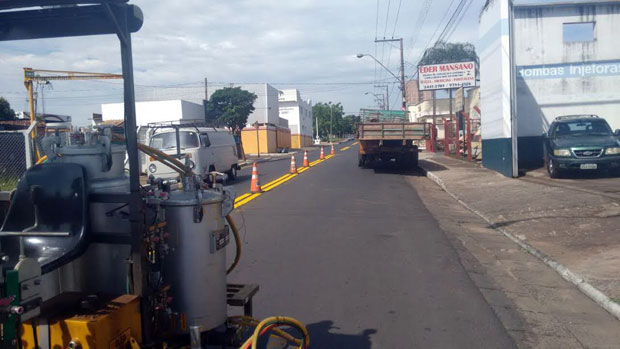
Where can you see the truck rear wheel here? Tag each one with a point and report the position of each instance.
(360, 160)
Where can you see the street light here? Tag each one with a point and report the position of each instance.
(378, 98)
(400, 79)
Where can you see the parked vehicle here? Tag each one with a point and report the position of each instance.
(388, 141)
(206, 149)
(581, 142)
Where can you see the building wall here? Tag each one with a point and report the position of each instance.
(265, 105)
(414, 95)
(555, 77)
(299, 141)
(155, 111)
(283, 136)
(297, 111)
(424, 110)
(266, 140)
(493, 48)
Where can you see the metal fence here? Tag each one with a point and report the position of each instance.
(459, 135)
(15, 157)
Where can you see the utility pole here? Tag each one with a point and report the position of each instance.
(402, 70)
(387, 96)
(206, 91)
(331, 122)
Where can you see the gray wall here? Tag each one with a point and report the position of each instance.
(555, 77)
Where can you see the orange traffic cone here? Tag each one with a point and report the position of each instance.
(255, 183)
(306, 162)
(293, 164)
(322, 157)
(332, 152)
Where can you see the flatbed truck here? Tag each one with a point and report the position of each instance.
(387, 141)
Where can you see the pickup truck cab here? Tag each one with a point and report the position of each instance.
(207, 149)
(582, 143)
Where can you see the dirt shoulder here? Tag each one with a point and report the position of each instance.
(536, 306)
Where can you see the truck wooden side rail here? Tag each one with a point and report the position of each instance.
(388, 141)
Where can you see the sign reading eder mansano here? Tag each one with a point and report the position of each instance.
(447, 75)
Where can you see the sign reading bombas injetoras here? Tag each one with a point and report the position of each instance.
(447, 75)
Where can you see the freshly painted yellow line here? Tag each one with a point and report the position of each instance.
(276, 180)
(345, 148)
(246, 200)
(274, 183)
(247, 197)
(282, 181)
(241, 197)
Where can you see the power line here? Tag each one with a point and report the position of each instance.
(452, 20)
(435, 32)
(396, 20)
(458, 22)
(420, 22)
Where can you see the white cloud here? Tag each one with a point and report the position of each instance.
(181, 42)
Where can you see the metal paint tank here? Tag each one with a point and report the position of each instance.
(196, 265)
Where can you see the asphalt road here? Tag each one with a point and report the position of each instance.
(270, 170)
(354, 254)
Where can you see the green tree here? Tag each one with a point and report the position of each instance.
(6, 113)
(230, 107)
(327, 113)
(348, 124)
(448, 52)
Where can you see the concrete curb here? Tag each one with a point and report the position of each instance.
(586, 288)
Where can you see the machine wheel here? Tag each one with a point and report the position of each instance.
(552, 168)
(232, 173)
(360, 160)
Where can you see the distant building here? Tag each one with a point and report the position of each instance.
(414, 95)
(155, 111)
(298, 112)
(266, 108)
(423, 111)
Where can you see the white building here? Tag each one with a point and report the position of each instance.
(265, 105)
(299, 115)
(155, 111)
(566, 61)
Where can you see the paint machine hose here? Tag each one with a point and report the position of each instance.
(160, 156)
(272, 324)
(277, 321)
(235, 231)
(250, 321)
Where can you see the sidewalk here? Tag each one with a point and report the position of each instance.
(575, 233)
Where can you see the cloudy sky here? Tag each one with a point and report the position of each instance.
(306, 44)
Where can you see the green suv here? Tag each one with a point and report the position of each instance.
(581, 142)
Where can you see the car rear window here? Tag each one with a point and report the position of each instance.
(582, 127)
(168, 140)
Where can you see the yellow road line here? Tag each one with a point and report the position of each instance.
(274, 183)
(329, 156)
(345, 148)
(246, 200)
(282, 181)
(241, 197)
(247, 197)
(355, 143)
(275, 180)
